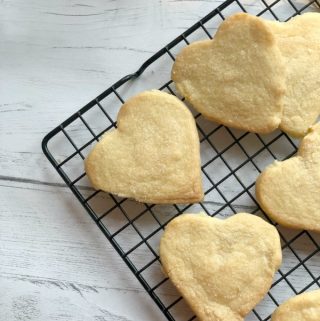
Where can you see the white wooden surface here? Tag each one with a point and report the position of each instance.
(55, 56)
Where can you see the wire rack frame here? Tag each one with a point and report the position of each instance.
(219, 154)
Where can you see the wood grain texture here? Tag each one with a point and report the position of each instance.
(55, 56)
(56, 265)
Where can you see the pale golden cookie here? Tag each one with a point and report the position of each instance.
(303, 307)
(222, 268)
(153, 156)
(238, 78)
(289, 191)
(299, 42)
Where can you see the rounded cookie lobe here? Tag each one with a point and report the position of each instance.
(222, 268)
(303, 307)
(236, 79)
(153, 156)
(288, 191)
(299, 43)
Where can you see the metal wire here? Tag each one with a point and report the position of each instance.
(219, 154)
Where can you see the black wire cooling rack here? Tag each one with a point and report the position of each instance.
(231, 161)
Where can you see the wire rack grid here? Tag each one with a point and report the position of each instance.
(231, 161)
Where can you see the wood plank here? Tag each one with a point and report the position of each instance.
(52, 251)
(36, 300)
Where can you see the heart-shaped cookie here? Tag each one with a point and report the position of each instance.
(289, 191)
(222, 268)
(299, 42)
(238, 78)
(153, 156)
(303, 307)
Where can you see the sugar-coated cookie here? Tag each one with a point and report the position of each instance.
(299, 42)
(289, 191)
(153, 156)
(222, 268)
(238, 78)
(303, 307)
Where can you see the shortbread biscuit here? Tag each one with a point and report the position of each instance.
(288, 191)
(222, 268)
(153, 156)
(299, 42)
(238, 78)
(303, 307)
